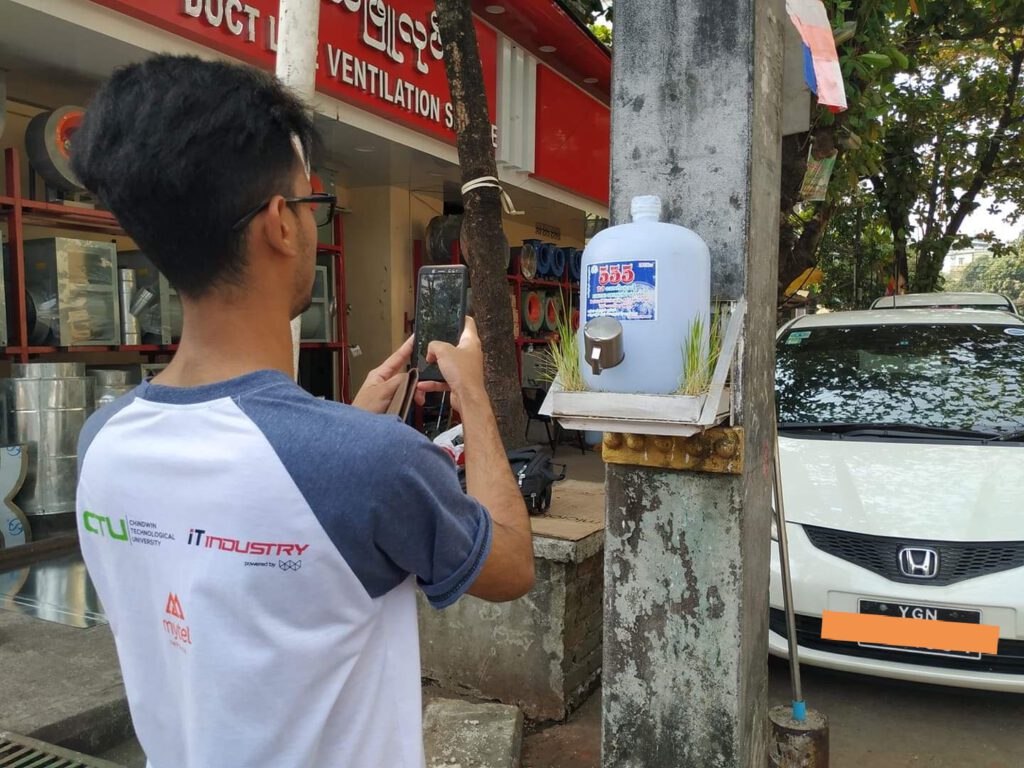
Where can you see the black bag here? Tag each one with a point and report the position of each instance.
(535, 473)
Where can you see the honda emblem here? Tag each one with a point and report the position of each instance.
(919, 562)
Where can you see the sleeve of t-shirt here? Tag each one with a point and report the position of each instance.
(387, 497)
(427, 525)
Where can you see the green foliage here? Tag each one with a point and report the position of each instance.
(936, 122)
(855, 254)
(959, 113)
(561, 360)
(1002, 273)
(603, 33)
(699, 356)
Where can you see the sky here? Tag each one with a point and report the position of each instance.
(982, 220)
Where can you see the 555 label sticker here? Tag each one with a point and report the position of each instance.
(624, 290)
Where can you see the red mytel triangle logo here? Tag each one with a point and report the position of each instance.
(174, 607)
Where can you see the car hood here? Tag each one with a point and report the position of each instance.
(906, 489)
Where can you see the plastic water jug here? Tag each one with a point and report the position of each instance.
(655, 279)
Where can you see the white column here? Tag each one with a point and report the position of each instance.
(298, 27)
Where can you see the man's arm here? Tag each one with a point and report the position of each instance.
(508, 571)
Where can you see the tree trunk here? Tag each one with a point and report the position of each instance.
(798, 246)
(801, 251)
(928, 267)
(484, 240)
(901, 270)
(897, 215)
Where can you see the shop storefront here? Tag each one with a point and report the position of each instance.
(384, 110)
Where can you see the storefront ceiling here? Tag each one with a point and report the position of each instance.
(393, 164)
(52, 62)
(553, 36)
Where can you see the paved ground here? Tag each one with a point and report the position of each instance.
(586, 467)
(575, 744)
(877, 723)
(873, 724)
(58, 682)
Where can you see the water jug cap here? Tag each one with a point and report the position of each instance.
(646, 208)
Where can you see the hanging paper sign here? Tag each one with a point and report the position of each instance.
(819, 172)
(809, 77)
(811, 21)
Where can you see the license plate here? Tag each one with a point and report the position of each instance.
(926, 612)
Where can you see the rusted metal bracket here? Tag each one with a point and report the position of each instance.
(718, 450)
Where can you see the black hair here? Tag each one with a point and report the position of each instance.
(179, 149)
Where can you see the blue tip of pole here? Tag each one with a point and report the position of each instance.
(799, 711)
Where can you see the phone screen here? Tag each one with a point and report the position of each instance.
(440, 308)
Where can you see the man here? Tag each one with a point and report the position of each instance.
(256, 549)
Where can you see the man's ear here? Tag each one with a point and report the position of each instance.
(277, 228)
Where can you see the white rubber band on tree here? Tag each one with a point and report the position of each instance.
(492, 181)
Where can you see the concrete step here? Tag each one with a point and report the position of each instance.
(462, 734)
(61, 684)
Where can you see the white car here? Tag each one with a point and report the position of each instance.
(901, 438)
(945, 301)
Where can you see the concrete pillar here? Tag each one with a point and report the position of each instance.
(696, 100)
(296, 68)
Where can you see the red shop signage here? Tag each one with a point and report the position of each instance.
(381, 55)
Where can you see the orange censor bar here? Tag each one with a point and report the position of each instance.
(913, 633)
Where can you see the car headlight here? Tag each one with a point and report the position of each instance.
(775, 527)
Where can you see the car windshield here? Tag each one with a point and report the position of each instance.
(948, 376)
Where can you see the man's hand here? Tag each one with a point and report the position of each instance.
(461, 366)
(383, 381)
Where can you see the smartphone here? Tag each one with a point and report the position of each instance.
(403, 398)
(440, 313)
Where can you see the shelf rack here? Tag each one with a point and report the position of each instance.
(569, 289)
(20, 211)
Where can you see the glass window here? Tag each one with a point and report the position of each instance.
(953, 376)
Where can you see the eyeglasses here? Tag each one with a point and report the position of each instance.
(324, 208)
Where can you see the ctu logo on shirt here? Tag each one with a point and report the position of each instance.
(102, 526)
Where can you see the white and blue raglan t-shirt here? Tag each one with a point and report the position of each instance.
(256, 551)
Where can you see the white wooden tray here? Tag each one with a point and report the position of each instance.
(680, 415)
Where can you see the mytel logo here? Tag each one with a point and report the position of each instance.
(179, 633)
(174, 607)
(101, 526)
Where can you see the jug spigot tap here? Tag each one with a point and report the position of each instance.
(603, 343)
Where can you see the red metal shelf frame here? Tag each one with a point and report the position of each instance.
(21, 211)
(568, 287)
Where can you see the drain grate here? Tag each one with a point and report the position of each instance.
(22, 752)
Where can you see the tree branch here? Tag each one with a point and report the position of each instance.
(933, 191)
(988, 160)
